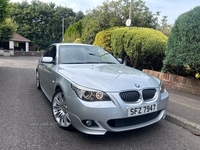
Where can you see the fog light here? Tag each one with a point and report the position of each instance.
(88, 122)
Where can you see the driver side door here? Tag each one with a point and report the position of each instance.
(47, 70)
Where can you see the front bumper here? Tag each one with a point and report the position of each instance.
(112, 115)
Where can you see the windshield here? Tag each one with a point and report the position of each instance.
(82, 54)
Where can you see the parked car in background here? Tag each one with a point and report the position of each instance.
(91, 91)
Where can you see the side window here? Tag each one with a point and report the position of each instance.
(47, 52)
(53, 52)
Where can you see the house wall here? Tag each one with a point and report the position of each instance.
(11, 45)
(27, 47)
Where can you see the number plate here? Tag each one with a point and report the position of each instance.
(142, 110)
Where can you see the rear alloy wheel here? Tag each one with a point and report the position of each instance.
(37, 80)
(60, 111)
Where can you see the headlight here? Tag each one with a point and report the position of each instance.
(90, 95)
(161, 87)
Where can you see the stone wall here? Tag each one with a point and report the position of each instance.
(30, 53)
(176, 82)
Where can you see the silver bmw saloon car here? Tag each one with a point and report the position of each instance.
(91, 91)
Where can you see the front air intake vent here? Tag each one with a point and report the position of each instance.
(148, 94)
(130, 96)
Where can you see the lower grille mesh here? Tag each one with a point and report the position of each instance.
(132, 120)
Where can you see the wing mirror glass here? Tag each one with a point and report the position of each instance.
(120, 60)
(47, 59)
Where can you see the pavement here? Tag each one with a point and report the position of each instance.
(184, 110)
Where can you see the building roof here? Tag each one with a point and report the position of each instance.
(18, 38)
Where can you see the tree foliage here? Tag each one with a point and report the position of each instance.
(164, 26)
(7, 29)
(7, 26)
(41, 22)
(73, 32)
(183, 48)
(115, 13)
(4, 7)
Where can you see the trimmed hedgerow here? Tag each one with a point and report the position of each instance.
(183, 48)
(117, 42)
(145, 48)
(103, 39)
(142, 47)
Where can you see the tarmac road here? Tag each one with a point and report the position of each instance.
(26, 121)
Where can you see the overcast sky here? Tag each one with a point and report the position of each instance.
(170, 8)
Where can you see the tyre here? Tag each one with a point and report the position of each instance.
(37, 80)
(60, 111)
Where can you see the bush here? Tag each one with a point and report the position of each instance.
(143, 47)
(183, 48)
(103, 39)
(78, 40)
(117, 42)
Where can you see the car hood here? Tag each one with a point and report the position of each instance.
(107, 77)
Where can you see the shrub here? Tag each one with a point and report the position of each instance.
(117, 42)
(78, 40)
(143, 47)
(73, 32)
(183, 48)
(103, 39)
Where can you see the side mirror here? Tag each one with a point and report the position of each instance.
(47, 59)
(120, 60)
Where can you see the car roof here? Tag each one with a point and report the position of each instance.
(78, 44)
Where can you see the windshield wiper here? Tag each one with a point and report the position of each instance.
(94, 54)
(98, 55)
(101, 62)
(92, 62)
(108, 62)
(74, 63)
(104, 54)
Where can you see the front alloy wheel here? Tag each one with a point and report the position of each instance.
(60, 110)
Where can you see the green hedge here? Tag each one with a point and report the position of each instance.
(103, 39)
(117, 42)
(183, 48)
(143, 47)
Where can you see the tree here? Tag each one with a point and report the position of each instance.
(7, 29)
(164, 27)
(73, 32)
(41, 22)
(3, 10)
(79, 16)
(183, 48)
(115, 13)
